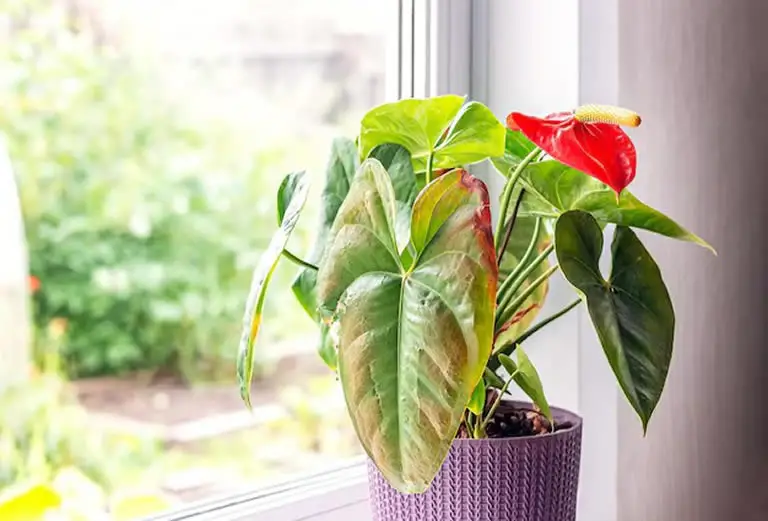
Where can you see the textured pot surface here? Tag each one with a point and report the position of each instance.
(513, 479)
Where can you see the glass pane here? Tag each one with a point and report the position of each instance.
(148, 139)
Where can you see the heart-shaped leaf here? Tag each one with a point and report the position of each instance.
(261, 277)
(516, 148)
(631, 311)
(474, 135)
(455, 133)
(413, 343)
(556, 188)
(527, 378)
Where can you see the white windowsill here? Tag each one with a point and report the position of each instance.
(340, 494)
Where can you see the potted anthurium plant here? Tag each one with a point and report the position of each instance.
(424, 310)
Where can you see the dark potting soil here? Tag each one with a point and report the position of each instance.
(512, 421)
(517, 423)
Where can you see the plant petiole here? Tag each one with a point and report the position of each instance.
(496, 402)
(298, 260)
(430, 159)
(507, 193)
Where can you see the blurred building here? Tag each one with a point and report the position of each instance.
(324, 59)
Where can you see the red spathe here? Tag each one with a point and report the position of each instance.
(602, 150)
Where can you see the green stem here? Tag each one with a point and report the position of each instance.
(510, 347)
(507, 312)
(430, 158)
(512, 277)
(478, 432)
(509, 227)
(495, 405)
(471, 424)
(507, 193)
(297, 260)
(508, 292)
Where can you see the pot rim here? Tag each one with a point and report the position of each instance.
(557, 412)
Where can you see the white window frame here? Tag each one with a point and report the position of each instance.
(483, 48)
(337, 494)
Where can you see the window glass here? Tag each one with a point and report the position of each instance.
(148, 139)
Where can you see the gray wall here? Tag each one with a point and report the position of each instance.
(697, 70)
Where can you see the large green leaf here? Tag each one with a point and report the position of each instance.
(631, 311)
(413, 343)
(339, 174)
(516, 148)
(417, 124)
(556, 188)
(522, 233)
(527, 378)
(474, 135)
(455, 133)
(261, 277)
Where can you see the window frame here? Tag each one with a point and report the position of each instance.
(462, 46)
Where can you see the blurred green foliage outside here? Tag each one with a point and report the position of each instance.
(140, 211)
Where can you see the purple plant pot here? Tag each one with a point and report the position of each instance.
(534, 478)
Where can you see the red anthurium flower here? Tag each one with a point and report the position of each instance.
(589, 139)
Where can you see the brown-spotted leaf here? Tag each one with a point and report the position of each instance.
(413, 343)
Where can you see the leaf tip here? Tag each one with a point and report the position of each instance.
(701, 242)
(644, 421)
(245, 395)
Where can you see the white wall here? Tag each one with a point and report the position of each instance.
(542, 57)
